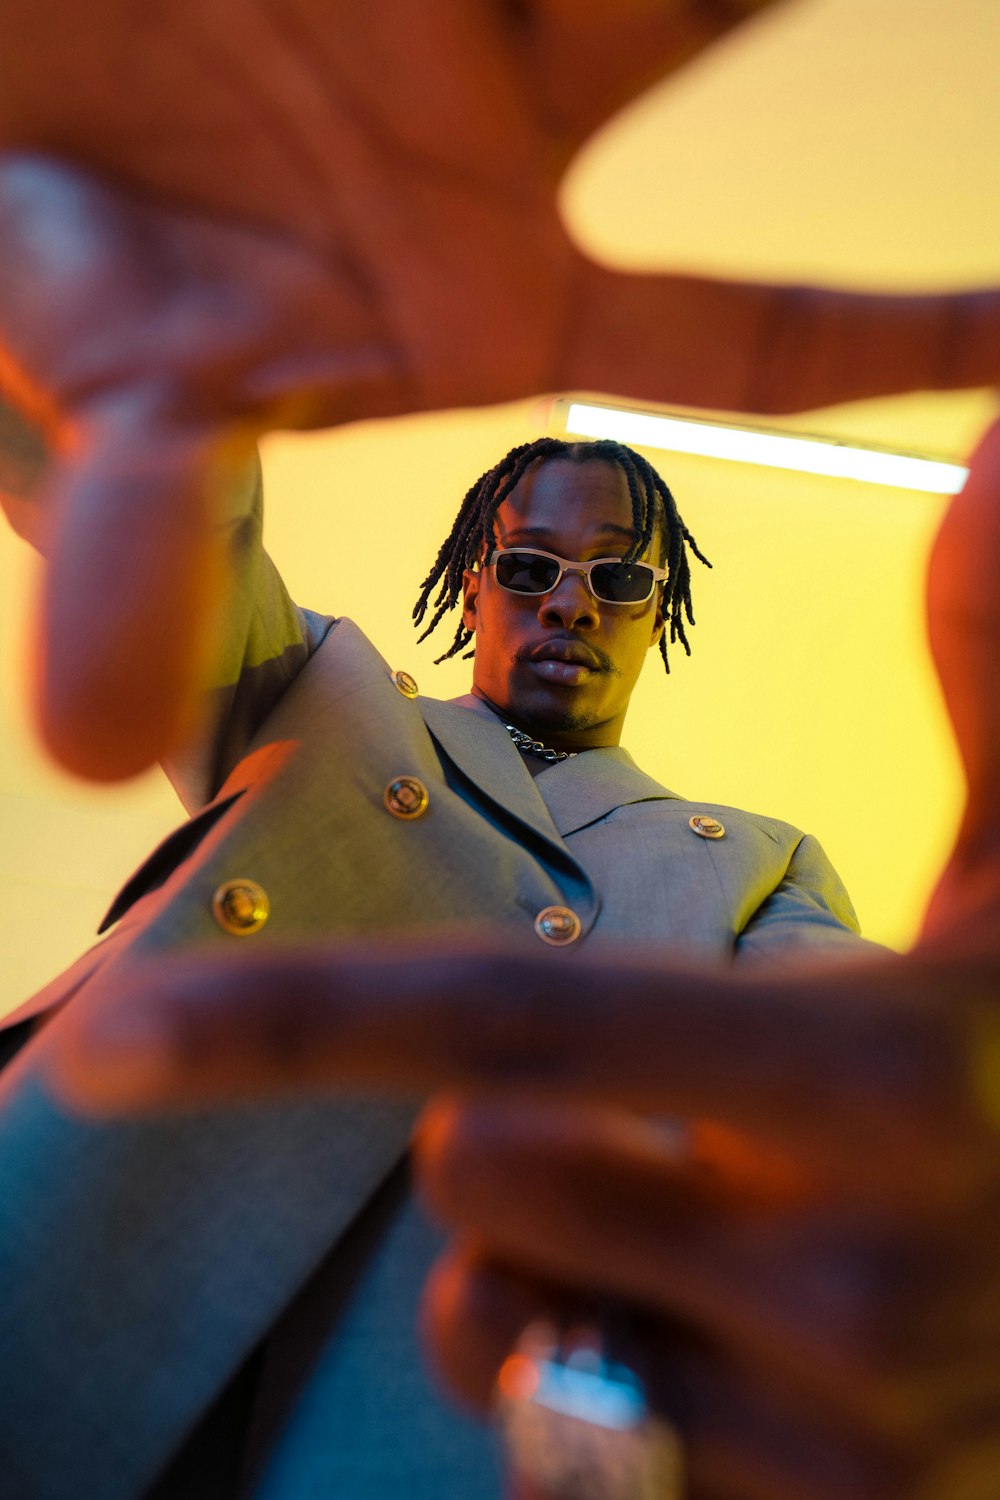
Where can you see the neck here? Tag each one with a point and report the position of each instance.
(572, 738)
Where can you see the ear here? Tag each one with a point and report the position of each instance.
(471, 579)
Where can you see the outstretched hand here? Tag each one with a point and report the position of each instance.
(291, 215)
(295, 215)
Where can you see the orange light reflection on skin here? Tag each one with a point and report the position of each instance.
(518, 1378)
(745, 1166)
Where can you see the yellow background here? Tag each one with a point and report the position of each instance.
(853, 141)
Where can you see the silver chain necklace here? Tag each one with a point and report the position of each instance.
(528, 746)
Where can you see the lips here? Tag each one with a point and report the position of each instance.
(575, 653)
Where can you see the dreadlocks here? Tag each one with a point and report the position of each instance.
(471, 537)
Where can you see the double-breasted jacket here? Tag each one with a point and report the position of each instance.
(147, 1259)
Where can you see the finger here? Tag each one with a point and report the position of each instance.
(874, 1321)
(130, 601)
(745, 346)
(865, 1065)
(745, 1433)
(126, 509)
(586, 59)
(472, 1312)
(157, 344)
(963, 605)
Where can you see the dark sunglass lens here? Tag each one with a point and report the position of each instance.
(525, 572)
(622, 582)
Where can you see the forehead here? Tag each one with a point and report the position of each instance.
(571, 502)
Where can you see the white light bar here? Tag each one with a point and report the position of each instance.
(807, 455)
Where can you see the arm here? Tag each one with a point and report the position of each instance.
(263, 642)
(810, 911)
(860, 1292)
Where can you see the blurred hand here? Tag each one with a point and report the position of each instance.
(813, 1264)
(291, 215)
(814, 1274)
(310, 212)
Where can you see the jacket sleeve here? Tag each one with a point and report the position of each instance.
(264, 641)
(808, 912)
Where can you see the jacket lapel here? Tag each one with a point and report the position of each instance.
(475, 740)
(474, 744)
(583, 790)
(568, 795)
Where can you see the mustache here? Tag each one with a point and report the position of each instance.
(602, 662)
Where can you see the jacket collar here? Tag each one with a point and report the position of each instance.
(580, 791)
(566, 796)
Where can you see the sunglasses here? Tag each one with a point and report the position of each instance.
(523, 570)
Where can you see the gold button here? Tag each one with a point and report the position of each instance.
(406, 797)
(406, 684)
(558, 925)
(241, 907)
(705, 827)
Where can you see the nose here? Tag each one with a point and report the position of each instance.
(570, 604)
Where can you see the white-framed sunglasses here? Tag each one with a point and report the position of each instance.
(526, 570)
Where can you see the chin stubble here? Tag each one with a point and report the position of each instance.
(568, 720)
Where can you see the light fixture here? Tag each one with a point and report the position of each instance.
(756, 445)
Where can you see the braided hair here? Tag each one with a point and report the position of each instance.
(472, 535)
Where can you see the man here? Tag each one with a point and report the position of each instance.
(362, 808)
(814, 1285)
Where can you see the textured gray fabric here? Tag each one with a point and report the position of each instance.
(147, 1259)
(369, 1424)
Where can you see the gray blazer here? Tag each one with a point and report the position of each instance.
(150, 1257)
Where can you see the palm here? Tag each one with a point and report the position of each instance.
(410, 156)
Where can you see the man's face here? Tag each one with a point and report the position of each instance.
(562, 665)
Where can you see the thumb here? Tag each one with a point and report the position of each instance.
(125, 625)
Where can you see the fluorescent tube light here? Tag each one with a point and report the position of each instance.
(776, 450)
